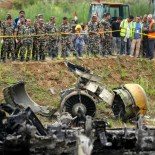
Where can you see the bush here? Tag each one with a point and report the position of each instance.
(59, 11)
(18, 4)
(61, 8)
(141, 8)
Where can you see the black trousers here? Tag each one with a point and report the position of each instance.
(151, 48)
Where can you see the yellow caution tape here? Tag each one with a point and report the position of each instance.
(56, 34)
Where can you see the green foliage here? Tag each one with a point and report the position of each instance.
(148, 86)
(123, 73)
(105, 73)
(61, 8)
(18, 4)
(59, 11)
(102, 107)
(141, 8)
(146, 64)
(25, 72)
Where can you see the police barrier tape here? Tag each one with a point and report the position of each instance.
(58, 33)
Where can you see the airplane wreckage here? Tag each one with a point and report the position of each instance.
(76, 131)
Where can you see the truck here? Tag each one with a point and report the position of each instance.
(115, 9)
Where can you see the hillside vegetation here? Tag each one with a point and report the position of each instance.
(61, 8)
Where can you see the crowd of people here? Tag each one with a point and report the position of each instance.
(23, 40)
(134, 37)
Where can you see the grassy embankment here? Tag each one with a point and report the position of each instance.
(40, 77)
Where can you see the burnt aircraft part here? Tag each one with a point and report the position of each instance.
(24, 134)
(35, 121)
(73, 67)
(19, 117)
(86, 93)
(28, 136)
(15, 145)
(127, 101)
(75, 99)
(130, 100)
(7, 108)
(17, 95)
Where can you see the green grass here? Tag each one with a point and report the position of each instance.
(41, 94)
(148, 85)
(105, 73)
(123, 73)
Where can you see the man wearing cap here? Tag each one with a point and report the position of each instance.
(93, 36)
(52, 37)
(21, 14)
(8, 38)
(65, 30)
(106, 35)
(41, 40)
(38, 17)
(18, 32)
(28, 31)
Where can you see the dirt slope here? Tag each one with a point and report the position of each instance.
(41, 76)
(7, 4)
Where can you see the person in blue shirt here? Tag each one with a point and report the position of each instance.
(16, 21)
(78, 41)
(137, 28)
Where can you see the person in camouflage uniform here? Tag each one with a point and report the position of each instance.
(52, 37)
(41, 40)
(28, 32)
(18, 31)
(36, 25)
(2, 24)
(65, 30)
(106, 36)
(93, 36)
(8, 42)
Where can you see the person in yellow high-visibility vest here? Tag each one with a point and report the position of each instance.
(136, 37)
(126, 34)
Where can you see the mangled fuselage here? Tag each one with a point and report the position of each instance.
(23, 133)
(76, 131)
